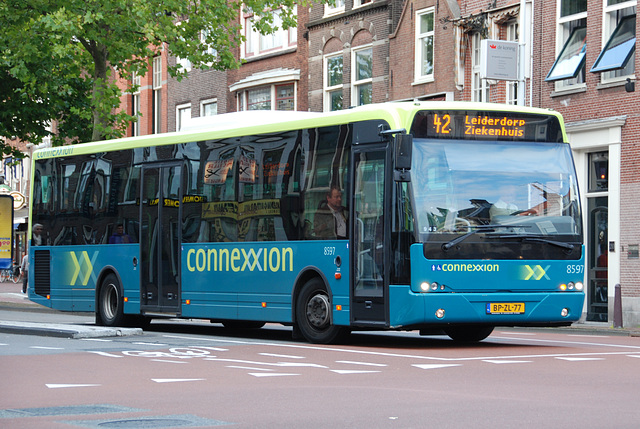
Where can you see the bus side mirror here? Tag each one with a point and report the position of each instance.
(402, 160)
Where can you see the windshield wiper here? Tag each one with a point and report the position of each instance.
(538, 239)
(478, 229)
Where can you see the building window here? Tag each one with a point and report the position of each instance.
(157, 94)
(259, 44)
(424, 45)
(135, 104)
(569, 69)
(617, 58)
(285, 97)
(598, 172)
(272, 97)
(209, 107)
(333, 66)
(513, 34)
(479, 87)
(259, 99)
(335, 8)
(358, 3)
(209, 50)
(183, 115)
(362, 76)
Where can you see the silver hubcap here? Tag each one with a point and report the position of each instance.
(318, 311)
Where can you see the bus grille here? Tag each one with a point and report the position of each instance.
(42, 272)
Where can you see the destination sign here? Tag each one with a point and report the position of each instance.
(486, 125)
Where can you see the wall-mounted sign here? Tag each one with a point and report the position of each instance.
(19, 200)
(499, 60)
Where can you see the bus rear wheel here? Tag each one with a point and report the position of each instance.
(110, 302)
(469, 334)
(313, 314)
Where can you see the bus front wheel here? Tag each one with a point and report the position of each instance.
(313, 314)
(110, 302)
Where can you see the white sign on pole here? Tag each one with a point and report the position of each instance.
(499, 60)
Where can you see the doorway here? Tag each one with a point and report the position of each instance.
(598, 237)
(370, 290)
(160, 211)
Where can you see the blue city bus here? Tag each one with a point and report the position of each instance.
(444, 217)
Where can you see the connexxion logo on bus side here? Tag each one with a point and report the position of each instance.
(236, 259)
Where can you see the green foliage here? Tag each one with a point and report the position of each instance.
(59, 54)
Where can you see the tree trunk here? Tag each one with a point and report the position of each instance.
(100, 118)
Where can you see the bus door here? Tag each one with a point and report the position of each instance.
(160, 238)
(369, 297)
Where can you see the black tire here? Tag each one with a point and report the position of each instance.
(110, 302)
(313, 314)
(469, 334)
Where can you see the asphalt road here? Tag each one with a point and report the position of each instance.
(196, 374)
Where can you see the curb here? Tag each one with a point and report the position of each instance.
(66, 331)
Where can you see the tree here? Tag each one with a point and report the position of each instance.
(86, 40)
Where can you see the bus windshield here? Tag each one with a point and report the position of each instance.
(519, 188)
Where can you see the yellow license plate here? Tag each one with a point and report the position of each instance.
(505, 308)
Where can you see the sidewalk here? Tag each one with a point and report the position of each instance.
(11, 297)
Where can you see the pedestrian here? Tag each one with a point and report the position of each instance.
(24, 267)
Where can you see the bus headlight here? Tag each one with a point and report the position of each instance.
(426, 286)
(564, 312)
(440, 313)
(571, 286)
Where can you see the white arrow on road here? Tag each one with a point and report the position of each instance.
(62, 386)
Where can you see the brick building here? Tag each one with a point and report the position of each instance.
(201, 93)
(349, 53)
(435, 52)
(593, 88)
(149, 99)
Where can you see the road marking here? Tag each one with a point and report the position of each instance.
(351, 371)
(498, 361)
(99, 340)
(635, 356)
(168, 361)
(282, 356)
(587, 336)
(249, 368)
(578, 359)
(151, 344)
(361, 363)
(431, 358)
(176, 380)
(280, 364)
(63, 386)
(271, 374)
(105, 354)
(434, 366)
(46, 348)
(581, 343)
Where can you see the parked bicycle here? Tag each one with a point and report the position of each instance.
(11, 274)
